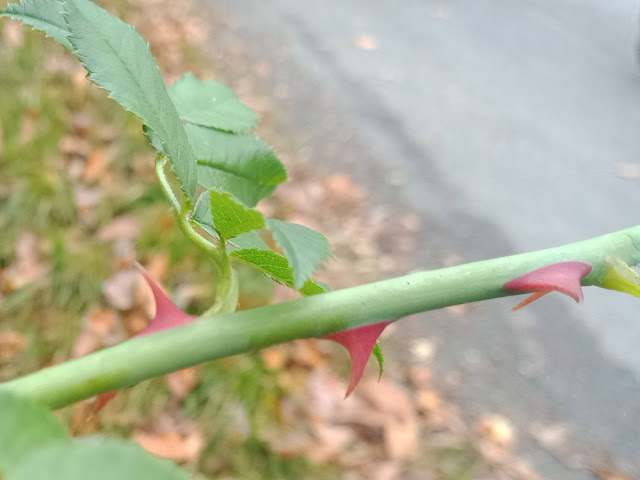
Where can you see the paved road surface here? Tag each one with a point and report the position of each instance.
(507, 126)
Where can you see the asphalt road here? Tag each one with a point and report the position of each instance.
(507, 126)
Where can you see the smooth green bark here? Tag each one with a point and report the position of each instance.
(219, 336)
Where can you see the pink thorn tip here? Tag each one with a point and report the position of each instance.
(564, 277)
(359, 342)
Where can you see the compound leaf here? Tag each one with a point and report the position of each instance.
(120, 61)
(211, 104)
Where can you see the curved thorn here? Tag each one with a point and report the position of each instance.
(564, 277)
(359, 342)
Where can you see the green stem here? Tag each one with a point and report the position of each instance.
(227, 285)
(182, 213)
(164, 183)
(229, 334)
(227, 289)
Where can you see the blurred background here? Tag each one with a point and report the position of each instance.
(417, 135)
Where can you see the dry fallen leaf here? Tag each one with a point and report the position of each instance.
(94, 166)
(157, 266)
(73, 146)
(120, 289)
(273, 358)
(28, 267)
(86, 198)
(497, 429)
(429, 401)
(182, 382)
(172, 445)
(11, 344)
(102, 322)
(86, 342)
(305, 353)
(396, 414)
(419, 377)
(81, 124)
(327, 445)
(608, 473)
(83, 420)
(340, 190)
(386, 470)
(135, 320)
(80, 84)
(12, 35)
(496, 438)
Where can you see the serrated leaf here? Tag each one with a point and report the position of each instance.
(242, 165)
(202, 216)
(230, 219)
(305, 248)
(96, 458)
(120, 61)
(42, 15)
(25, 426)
(211, 104)
(276, 267)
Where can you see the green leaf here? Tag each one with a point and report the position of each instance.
(621, 277)
(42, 15)
(377, 352)
(211, 104)
(95, 458)
(305, 248)
(120, 61)
(25, 426)
(230, 219)
(276, 267)
(202, 216)
(242, 165)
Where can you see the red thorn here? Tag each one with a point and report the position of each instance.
(167, 316)
(359, 342)
(564, 277)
